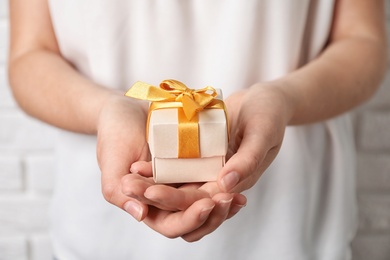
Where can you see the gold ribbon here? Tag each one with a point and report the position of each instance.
(189, 102)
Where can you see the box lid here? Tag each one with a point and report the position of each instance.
(163, 133)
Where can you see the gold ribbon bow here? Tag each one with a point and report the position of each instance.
(189, 102)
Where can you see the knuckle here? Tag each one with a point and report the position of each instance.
(253, 162)
(127, 190)
(171, 234)
(108, 192)
(126, 185)
(190, 239)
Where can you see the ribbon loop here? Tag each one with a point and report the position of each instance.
(172, 90)
(189, 102)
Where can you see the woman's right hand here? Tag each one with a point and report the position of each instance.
(122, 142)
(189, 210)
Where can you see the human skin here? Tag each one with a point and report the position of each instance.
(346, 73)
(59, 95)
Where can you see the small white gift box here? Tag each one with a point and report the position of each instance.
(187, 131)
(163, 145)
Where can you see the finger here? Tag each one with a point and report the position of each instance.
(112, 192)
(176, 224)
(135, 186)
(143, 168)
(175, 198)
(119, 144)
(164, 197)
(114, 195)
(239, 202)
(243, 164)
(211, 188)
(136, 209)
(245, 168)
(215, 219)
(115, 158)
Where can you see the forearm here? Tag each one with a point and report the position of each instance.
(346, 74)
(44, 84)
(50, 89)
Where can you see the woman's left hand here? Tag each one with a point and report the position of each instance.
(175, 210)
(258, 117)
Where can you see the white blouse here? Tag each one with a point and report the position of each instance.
(303, 207)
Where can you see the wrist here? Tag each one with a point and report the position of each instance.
(281, 94)
(117, 105)
(96, 105)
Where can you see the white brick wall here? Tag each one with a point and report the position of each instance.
(26, 173)
(13, 247)
(373, 142)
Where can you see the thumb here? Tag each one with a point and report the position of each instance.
(245, 167)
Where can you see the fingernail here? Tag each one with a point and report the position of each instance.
(133, 209)
(152, 196)
(225, 205)
(230, 180)
(235, 208)
(205, 213)
(225, 201)
(132, 170)
(240, 205)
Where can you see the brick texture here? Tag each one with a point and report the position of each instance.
(373, 179)
(23, 214)
(40, 173)
(6, 100)
(373, 173)
(26, 171)
(27, 167)
(373, 132)
(11, 178)
(3, 40)
(40, 247)
(20, 134)
(13, 248)
(374, 212)
(371, 246)
(3, 8)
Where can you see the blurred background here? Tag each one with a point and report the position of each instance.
(27, 172)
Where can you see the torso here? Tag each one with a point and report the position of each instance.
(300, 208)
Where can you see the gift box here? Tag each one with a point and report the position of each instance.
(187, 131)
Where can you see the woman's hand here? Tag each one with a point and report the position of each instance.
(120, 142)
(190, 211)
(258, 118)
